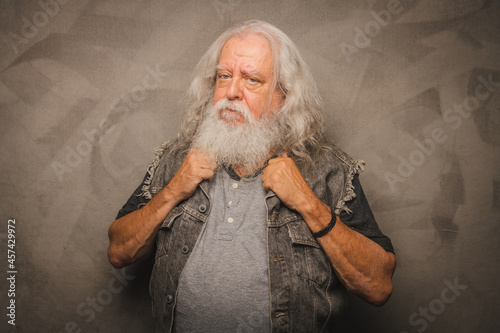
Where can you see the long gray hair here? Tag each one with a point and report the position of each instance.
(302, 110)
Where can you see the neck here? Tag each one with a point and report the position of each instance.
(241, 171)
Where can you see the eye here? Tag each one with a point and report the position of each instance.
(223, 76)
(253, 81)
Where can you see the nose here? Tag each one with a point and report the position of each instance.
(234, 90)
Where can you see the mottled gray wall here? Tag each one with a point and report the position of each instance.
(88, 88)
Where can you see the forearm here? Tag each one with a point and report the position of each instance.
(132, 237)
(362, 265)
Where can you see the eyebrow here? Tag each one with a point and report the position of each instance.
(221, 68)
(245, 72)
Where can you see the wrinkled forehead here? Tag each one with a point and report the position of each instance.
(248, 52)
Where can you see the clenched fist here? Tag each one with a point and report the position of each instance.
(284, 178)
(196, 167)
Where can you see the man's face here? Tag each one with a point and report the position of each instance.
(245, 75)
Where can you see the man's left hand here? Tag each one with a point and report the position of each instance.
(284, 178)
(362, 265)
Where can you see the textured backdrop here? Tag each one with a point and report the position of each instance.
(88, 88)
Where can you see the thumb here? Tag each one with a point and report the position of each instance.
(284, 155)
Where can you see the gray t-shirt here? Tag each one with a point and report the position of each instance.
(225, 284)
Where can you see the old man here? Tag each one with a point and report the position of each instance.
(257, 222)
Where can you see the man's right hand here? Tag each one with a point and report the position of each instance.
(132, 237)
(196, 167)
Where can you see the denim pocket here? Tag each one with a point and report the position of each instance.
(310, 261)
(164, 234)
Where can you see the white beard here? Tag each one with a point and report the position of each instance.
(246, 146)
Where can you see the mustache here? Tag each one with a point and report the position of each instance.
(234, 106)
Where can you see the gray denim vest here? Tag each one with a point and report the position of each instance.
(305, 293)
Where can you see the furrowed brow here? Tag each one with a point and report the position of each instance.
(252, 72)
